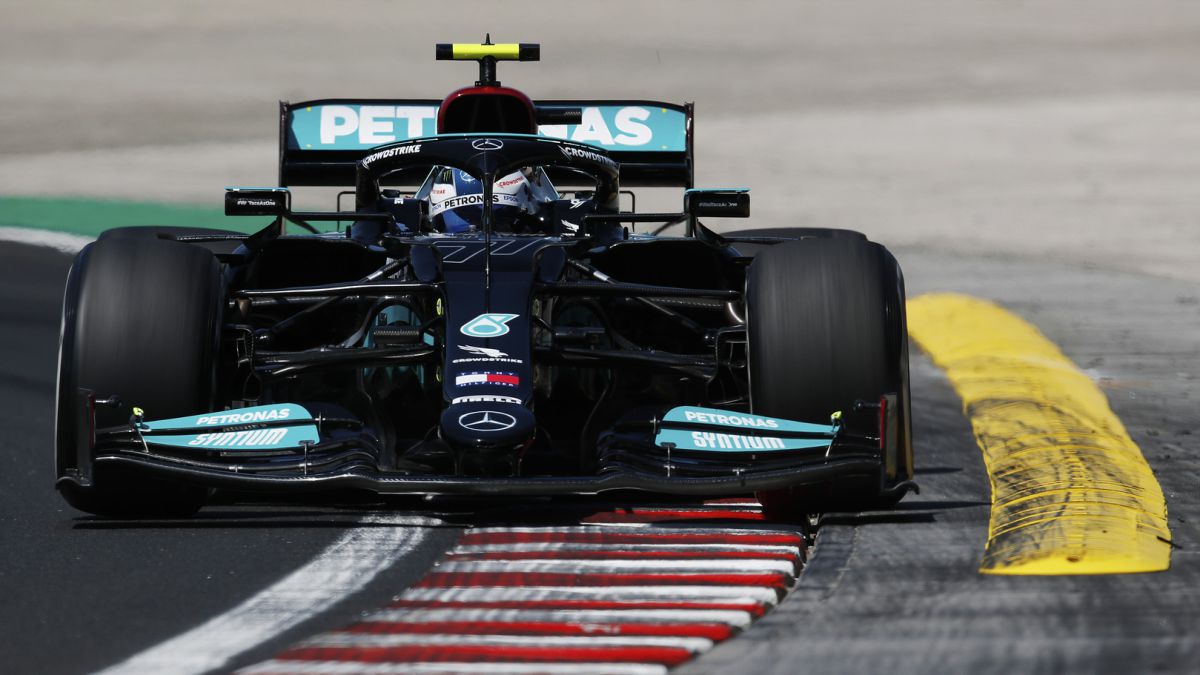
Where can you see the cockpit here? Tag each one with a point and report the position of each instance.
(522, 201)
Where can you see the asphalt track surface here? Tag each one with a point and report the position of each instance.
(1042, 157)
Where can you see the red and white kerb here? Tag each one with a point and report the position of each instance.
(622, 597)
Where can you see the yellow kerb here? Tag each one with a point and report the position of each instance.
(1071, 492)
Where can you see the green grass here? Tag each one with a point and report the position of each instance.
(90, 217)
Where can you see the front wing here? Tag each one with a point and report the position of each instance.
(296, 453)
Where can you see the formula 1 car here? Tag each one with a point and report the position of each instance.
(474, 331)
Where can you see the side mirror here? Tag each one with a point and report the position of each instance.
(410, 214)
(257, 201)
(724, 203)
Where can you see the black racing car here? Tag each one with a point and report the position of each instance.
(476, 329)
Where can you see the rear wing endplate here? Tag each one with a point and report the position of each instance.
(321, 141)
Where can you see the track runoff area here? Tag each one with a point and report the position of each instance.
(640, 590)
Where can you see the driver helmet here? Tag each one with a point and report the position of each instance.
(456, 200)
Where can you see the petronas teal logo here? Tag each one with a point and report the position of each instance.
(488, 325)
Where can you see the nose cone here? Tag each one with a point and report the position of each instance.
(498, 426)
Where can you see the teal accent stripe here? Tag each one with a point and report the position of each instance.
(711, 441)
(732, 421)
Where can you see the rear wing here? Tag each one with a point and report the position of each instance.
(321, 141)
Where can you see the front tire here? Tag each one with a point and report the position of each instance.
(823, 323)
(800, 233)
(140, 322)
(225, 242)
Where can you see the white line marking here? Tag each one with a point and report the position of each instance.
(62, 241)
(762, 596)
(448, 668)
(341, 569)
(448, 258)
(586, 566)
(727, 616)
(502, 249)
(691, 644)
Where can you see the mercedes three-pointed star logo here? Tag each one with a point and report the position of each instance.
(487, 144)
(487, 420)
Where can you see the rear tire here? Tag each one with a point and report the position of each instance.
(821, 337)
(140, 321)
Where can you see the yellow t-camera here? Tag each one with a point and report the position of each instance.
(487, 54)
(514, 51)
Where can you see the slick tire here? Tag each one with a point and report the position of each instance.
(754, 249)
(170, 233)
(822, 335)
(800, 233)
(140, 322)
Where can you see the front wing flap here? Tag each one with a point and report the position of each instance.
(285, 448)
